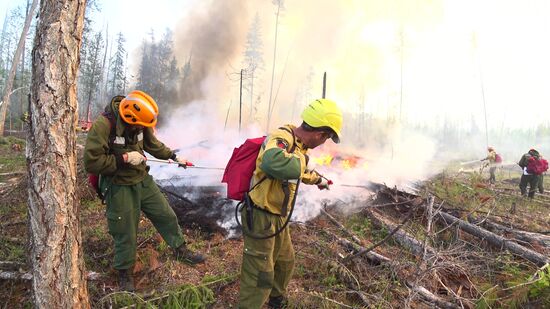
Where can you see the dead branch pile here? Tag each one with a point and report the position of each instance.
(433, 270)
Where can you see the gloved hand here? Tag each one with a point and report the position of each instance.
(182, 162)
(134, 158)
(324, 184)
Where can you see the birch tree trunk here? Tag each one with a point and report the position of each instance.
(59, 278)
(9, 83)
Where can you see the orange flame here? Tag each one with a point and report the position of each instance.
(323, 160)
(339, 160)
(346, 164)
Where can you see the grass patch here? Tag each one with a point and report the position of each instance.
(10, 251)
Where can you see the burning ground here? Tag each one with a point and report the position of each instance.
(451, 241)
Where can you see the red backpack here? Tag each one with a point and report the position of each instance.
(498, 158)
(240, 168)
(537, 166)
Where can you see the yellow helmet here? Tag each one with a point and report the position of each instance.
(324, 113)
(139, 108)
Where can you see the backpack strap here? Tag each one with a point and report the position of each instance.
(293, 147)
(112, 125)
(291, 150)
(286, 186)
(112, 136)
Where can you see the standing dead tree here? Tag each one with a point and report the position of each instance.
(9, 83)
(58, 275)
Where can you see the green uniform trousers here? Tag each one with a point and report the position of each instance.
(267, 263)
(541, 184)
(124, 203)
(492, 176)
(532, 181)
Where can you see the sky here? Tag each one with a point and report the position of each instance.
(429, 60)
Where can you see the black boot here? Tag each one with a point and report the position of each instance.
(278, 302)
(183, 254)
(126, 280)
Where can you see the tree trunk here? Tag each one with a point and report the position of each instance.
(58, 275)
(9, 82)
(533, 238)
(496, 240)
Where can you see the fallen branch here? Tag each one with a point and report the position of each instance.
(394, 231)
(158, 300)
(372, 256)
(542, 202)
(496, 240)
(328, 299)
(16, 275)
(13, 173)
(401, 237)
(342, 227)
(430, 297)
(9, 265)
(12, 239)
(379, 258)
(14, 223)
(530, 237)
(537, 276)
(391, 204)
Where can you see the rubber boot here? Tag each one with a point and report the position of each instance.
(183, 254)
(126, 280)
(278, 302)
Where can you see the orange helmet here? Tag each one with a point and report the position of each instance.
(139, 108)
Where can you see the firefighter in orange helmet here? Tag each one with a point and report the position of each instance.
(114, 150)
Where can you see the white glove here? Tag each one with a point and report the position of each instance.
(134, 158)
(324, 184)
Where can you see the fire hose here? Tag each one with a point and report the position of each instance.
(186, 165)
(191, 165)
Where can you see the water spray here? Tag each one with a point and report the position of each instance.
(186, 165)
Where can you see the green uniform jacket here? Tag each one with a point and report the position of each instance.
(278, 164)
(525, 158)
(104, 158)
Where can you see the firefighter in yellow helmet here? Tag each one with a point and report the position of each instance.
(114, 150)
(268, 255)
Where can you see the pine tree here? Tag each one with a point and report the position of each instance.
(158, 71)
(148, 70)
(117, 78)
(59, 275)
(91, 75)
